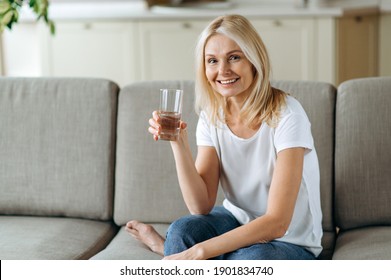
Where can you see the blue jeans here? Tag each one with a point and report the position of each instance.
(190, 230)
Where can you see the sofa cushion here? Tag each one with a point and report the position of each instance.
(372, 243)
(125, 247)
(363, 153)
(57, 146)
(41, 238)
(147, 187)
(318, 100)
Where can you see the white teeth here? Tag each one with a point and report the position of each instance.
(228, 81)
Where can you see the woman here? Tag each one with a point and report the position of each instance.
(256, 142)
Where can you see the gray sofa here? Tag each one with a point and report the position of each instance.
(77, 162)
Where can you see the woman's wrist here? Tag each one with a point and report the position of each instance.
(182, 141)
(199, 252)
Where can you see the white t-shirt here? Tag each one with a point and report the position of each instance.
(247, 167)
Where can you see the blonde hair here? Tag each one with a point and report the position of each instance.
(264, 102)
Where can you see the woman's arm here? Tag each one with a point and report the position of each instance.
(198, 180)
(284, 189)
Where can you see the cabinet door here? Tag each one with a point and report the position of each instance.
(167, 49)
(291, 46)
(93, 49)
(357, 47)
(385, 45)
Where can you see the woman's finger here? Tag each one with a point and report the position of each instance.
(183, 125)
(154, 124)
(155, 115)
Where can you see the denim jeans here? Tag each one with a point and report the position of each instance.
(190, 230)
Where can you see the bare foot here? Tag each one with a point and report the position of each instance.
(147, 235)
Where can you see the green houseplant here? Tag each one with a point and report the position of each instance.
(9, 12)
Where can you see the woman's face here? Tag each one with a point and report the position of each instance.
(227, 69)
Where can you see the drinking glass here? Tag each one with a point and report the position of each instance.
(170, 111)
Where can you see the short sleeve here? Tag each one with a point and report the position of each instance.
(294, 130)
(203, 134)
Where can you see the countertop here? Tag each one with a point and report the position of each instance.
(137, 10)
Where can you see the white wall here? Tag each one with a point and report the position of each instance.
(21, 50)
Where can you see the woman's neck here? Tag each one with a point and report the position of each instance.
(238, 125)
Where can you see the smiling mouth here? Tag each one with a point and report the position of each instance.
(227, 82)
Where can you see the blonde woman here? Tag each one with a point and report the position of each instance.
(256, 142)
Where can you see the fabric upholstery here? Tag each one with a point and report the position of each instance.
(63, 145)
(50, 238)
(147, 187)
(125, 247)
(363, 153)
(57, 146)
(372, 243)
(318, 100)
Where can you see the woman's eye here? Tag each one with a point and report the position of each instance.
(212, 61)
(234, 57)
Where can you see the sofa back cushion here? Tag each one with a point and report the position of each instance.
(147, 187)
(363, 153)
(318, 100)
(57, 147)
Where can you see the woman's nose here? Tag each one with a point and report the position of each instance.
(224, 68)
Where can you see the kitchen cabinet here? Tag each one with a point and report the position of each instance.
(92, 49)
(159, 50)
(385, 45)
(357, 47)
(321, 48)
(167, 48)
(291, 44)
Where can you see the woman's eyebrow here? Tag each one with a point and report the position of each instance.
(228, 53)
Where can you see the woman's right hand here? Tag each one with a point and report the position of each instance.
(154, 125)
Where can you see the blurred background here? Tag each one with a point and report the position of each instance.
(133, 40)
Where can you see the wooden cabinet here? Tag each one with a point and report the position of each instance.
(323, 49)
(92, 49)
(385, 45)
(357, 47)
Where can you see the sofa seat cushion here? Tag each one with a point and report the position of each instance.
(125, 247)
(372, 243)
(43, 238)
